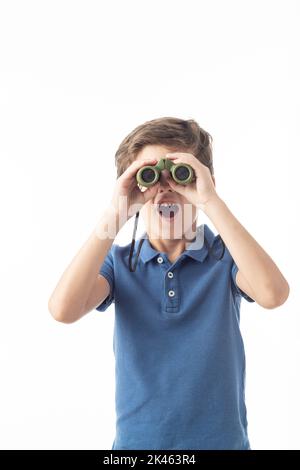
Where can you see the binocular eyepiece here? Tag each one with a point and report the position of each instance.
(181, 173)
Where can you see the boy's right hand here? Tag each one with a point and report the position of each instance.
(127, 197)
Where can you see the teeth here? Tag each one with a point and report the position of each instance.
(166, 204)
(168, 209)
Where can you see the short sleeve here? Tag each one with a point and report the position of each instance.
(236, 288)
(107, 270)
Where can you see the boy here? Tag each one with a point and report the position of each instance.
(180, 365)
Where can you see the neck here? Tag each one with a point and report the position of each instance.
(173, 247)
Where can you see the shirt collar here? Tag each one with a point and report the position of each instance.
(196, 249)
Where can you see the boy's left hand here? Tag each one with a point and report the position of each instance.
(200, 191)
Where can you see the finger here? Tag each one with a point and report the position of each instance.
(179, 188)
(136, 165)
(172, 156)
(192, 161)
(151, 191)
(187, 159)
(179, 155)
(183, 158)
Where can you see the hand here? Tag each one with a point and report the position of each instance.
(200, 191)
(127, 197)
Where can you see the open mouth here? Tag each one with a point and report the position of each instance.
(168, 210)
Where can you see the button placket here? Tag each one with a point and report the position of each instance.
(171, 292)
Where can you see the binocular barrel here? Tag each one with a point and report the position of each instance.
(148, 175)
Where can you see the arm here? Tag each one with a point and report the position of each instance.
(258, 275)
(81, 288)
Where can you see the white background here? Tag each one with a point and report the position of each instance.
(75, 78)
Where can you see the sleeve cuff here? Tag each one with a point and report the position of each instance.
(238, 291)
(110, 298)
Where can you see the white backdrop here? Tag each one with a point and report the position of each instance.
(75, 78)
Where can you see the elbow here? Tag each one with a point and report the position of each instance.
(276, 298)
(59, 312)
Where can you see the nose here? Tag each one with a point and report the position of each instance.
(163, 181)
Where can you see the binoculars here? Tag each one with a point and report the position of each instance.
(181, 173)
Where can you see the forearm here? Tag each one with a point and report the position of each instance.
(68, 300)
(253, 262)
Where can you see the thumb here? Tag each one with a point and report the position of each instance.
(179, 188)
(151, 192)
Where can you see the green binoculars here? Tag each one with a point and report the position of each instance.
(181, 173)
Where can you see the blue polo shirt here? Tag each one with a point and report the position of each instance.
(179, 353)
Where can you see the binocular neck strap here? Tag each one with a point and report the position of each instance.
(133, 268)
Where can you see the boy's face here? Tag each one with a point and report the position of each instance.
(166, 221)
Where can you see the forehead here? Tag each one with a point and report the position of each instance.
(153, 151)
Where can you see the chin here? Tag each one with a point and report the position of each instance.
(171, 235)
(168, 229)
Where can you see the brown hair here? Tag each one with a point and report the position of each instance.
(176, 134)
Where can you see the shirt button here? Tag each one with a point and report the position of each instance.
(171, 293)
(170, 274)
(160, 260)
